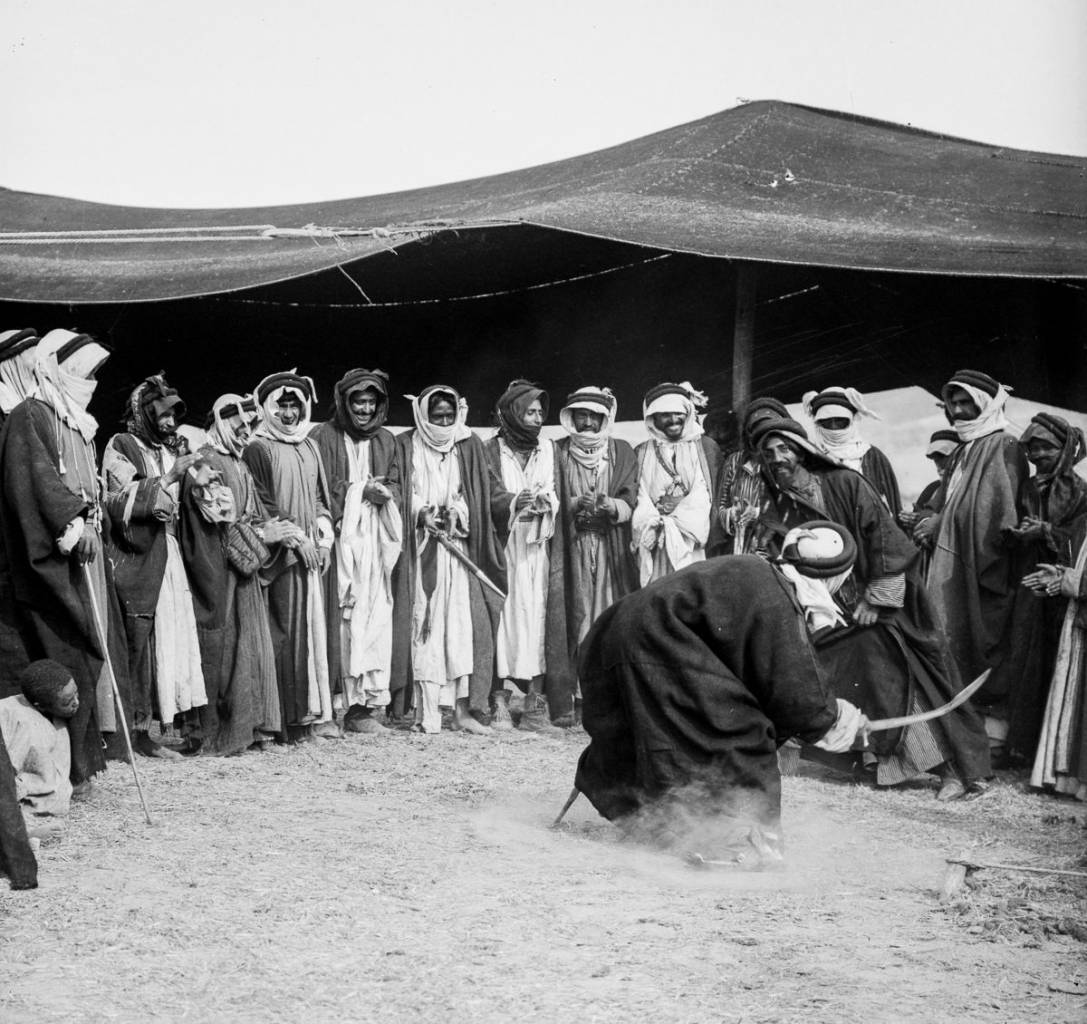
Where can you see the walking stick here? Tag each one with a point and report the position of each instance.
(574, 794)
(468, 564)
(104, 641)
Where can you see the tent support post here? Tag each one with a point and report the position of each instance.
(743, 335)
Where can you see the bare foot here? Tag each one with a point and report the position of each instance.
(44, 828)
(466, 723)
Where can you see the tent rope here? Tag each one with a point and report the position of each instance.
(451, 298)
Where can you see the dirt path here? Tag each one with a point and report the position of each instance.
(414, 879)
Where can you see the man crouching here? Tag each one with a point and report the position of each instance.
(690, 685)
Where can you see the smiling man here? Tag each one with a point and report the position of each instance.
(290, 482)
(891, 656)
(362, 468)
(677, 478)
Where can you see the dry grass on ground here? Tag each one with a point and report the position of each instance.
(408, 878)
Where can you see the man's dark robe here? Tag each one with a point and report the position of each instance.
(485, 551)
(49, 590)
(877, 470)
(622, 485)
(236, 653)
(384, 462)
(691, 684)
(285, 575)
(906, 659)
(17, 860)
(559, 681)
(970, 575)
(1028, 654)
(137, 551)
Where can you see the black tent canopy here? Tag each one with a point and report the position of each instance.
(879, 249)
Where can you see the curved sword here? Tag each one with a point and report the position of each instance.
(960, 698)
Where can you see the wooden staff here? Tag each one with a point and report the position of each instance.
(574, 794)
(102, 639)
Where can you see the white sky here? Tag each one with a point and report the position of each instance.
(250, 102)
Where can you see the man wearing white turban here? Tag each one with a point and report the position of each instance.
(677, 478)
(290, 481)
(836, 412)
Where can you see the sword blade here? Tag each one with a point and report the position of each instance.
(883, 724)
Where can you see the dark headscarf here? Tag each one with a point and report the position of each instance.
(1060, 484)
(150, 399)
(760, 409)
(510, 414)
(361, 380)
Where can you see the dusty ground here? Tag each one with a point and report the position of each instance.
(414, 878)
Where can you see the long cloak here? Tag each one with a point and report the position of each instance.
(148, 572)
(1029, 645)
(691, 684)
(876, 468)
(622, 485)
(558, 674)
(290, 485)
(236, 651)
(384, 462)
(906, 663)
(51, 599)
(970, 575)
(485, 551)
(1061, 759)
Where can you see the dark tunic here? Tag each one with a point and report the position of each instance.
(50, 596)
(695, 681)
(877, 470)
(622, 485)
(236, 652)
(485, 551)
(559, 675)
(137, 550)
(1028, 653)
(970, 574)
(290, 485)
(906, 660)
(384, 462)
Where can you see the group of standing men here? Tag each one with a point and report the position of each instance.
(240, 590)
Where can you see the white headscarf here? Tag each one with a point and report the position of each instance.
(17, 378)
(587, 447)
(688, 403)
(847, 446)
(815, 594)
(991, 418)
(68, 386)
(441, 439)
(221, 432)
(272, 426)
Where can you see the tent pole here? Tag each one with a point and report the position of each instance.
(743, 335)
